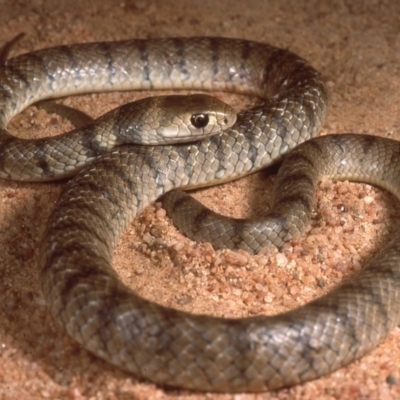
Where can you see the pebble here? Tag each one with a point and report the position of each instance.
(281, 260)
(236, 258)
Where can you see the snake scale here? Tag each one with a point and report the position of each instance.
(167, 346)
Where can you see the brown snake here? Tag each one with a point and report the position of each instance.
(177, 348)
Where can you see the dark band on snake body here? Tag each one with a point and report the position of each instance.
(176, 348)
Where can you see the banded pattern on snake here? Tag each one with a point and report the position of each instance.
(171, 347)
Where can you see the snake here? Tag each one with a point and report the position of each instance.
(170, 347)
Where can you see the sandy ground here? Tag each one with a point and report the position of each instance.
(356, 46)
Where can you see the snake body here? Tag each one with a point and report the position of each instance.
(176, 348)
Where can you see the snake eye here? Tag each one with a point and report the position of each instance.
(199, 120)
